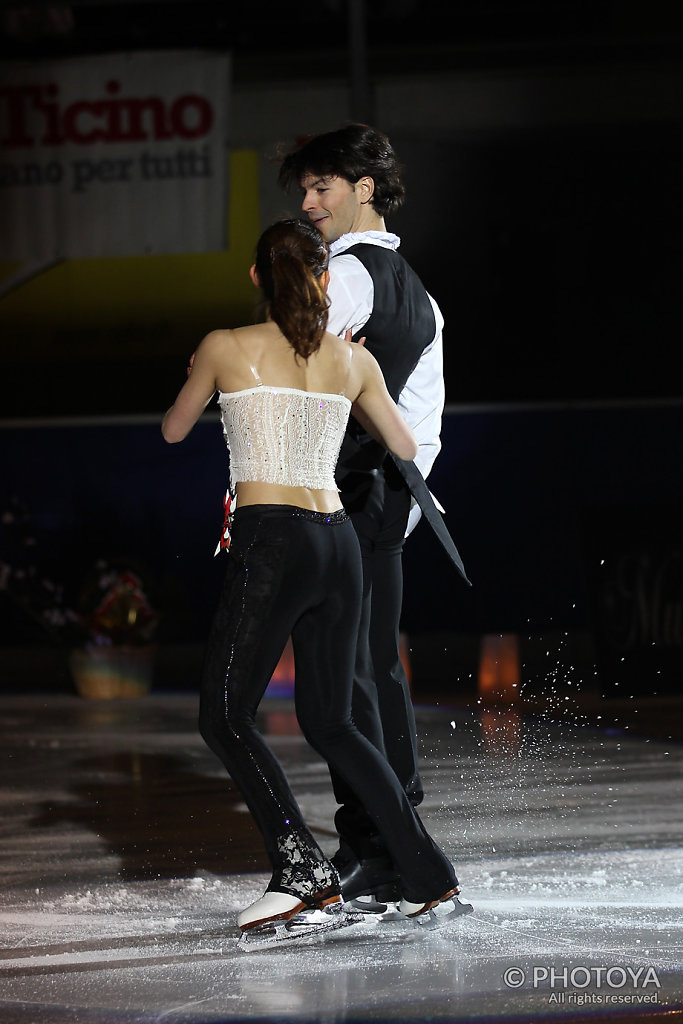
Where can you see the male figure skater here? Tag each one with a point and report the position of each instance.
(349, 180)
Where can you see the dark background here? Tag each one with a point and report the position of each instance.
(555, 254)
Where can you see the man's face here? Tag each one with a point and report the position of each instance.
(332, 204)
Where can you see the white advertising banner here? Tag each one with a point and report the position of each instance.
(114, 155)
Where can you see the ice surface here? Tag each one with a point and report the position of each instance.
(125, 856)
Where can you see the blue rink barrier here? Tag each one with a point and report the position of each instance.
(564, 514)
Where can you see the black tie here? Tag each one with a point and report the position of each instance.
(419, 490)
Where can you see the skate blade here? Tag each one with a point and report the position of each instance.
(461, 909)
(442, 913)
(392, 913)
(306, 926)
(363, 906)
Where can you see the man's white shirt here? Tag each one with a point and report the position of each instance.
(351, 294)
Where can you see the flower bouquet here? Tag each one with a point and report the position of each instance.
(117, 658)
(108, 627)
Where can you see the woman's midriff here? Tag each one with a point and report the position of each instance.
(254, 493)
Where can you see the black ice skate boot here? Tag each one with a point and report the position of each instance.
(372, 876)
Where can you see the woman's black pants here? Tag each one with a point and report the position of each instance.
(294, 572)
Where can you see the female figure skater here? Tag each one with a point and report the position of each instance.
(285, 390)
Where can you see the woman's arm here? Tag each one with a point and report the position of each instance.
(377, 412)
(195, 394)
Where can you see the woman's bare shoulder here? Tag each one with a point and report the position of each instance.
(224, 339)
(215, 340)
(336, 347)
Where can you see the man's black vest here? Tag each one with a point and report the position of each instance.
(400, 327)
(402, 321)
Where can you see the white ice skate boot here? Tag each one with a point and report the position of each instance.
(278, 917)
(425, 911)
(273, 906)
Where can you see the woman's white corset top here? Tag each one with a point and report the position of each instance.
(283, 435)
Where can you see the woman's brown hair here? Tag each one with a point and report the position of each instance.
(291, 257)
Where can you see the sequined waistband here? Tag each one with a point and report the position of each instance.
(291, 512)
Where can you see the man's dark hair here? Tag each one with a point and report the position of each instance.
(351, 152)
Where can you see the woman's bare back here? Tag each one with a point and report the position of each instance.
(262, 351)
